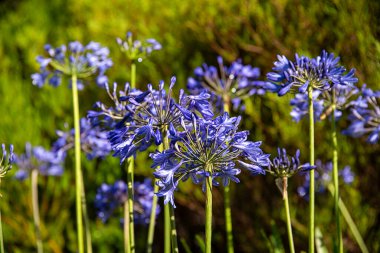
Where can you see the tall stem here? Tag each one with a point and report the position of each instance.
(127, 248)
(78, 172)
(311, 143)
(336, 182)
(86, 219)
(152, 220)
(1, 231)
(133, 75)
(350, 222)
(36, 211)
(208, 225)
(227, 201)
(130, 179)
(288, 219)
(167, 238)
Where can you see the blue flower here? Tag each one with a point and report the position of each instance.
(111, 197)
(321, 72)
(365, 116)
(137, 50)
(227, 84)
(204, 148)
(79, 60)
(323, 177)
(6, 160)
(48, 163)
(149, 117)
(94, 141)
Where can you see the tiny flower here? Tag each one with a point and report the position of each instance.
(204, 148)
(323, 177)
(137, 50)
(321, 73)
(6, 160)
(365, 116)
(48, 163)
(94, 141)
(81, 61)
(227, 84)
(111, 197)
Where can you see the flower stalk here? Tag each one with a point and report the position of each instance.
(208, 225)
(127, 248)
(36, 212)
(1, 232)
(287, 210)
(312, 181)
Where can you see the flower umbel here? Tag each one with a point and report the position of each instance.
(203, 144)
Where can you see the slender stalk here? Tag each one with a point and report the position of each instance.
(1, 232)
(127, 248)
(208, 225)
(336, 183)
(130, 171)
(86, 219)
(167, 238)
(312, 201)
(78, 172)
(152, 220)
(227, 202)
(133, 75)
(288, 219)
(350, 222)
(36, 211)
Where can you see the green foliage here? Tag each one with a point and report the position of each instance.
(191, 32)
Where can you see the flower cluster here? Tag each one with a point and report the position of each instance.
(79, 60)
(149, 116)
(205, 148)
(111, 197)
(137, 50)
(321, 73)
(323, 177)
(48, 163)
(365, 116)
(6, 160)
(227, 84)
(94, 141)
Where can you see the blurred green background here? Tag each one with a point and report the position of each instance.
(191, 32)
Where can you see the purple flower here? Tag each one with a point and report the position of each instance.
(321, 72)
(137, 50)
(215, 144)
(365, 116)
(48, 163)
(6, 160)
(111, 197)
(227, 84)
(79, 60)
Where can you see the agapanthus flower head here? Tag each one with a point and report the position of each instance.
(321, 73)
(152, 113)
(323, 177)
(336, 99)
(111, 197)
(48, 163)
(227, 84)
(74, 59)
(205, 148)
(94, 141)
(137, 50)
(365, 116)
(6, 160)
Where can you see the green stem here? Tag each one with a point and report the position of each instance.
(288, 219)
(152, 220)
(86, 219)
(350, 222)
(227, 202)
(167, 238)
(78, 172)
(133, 75)
(127, 248)
(130, 179)
(336, 183)
(1, 232)
(36, 212)
(312, 201)
(208, 225)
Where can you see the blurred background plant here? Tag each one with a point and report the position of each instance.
(190, 32)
